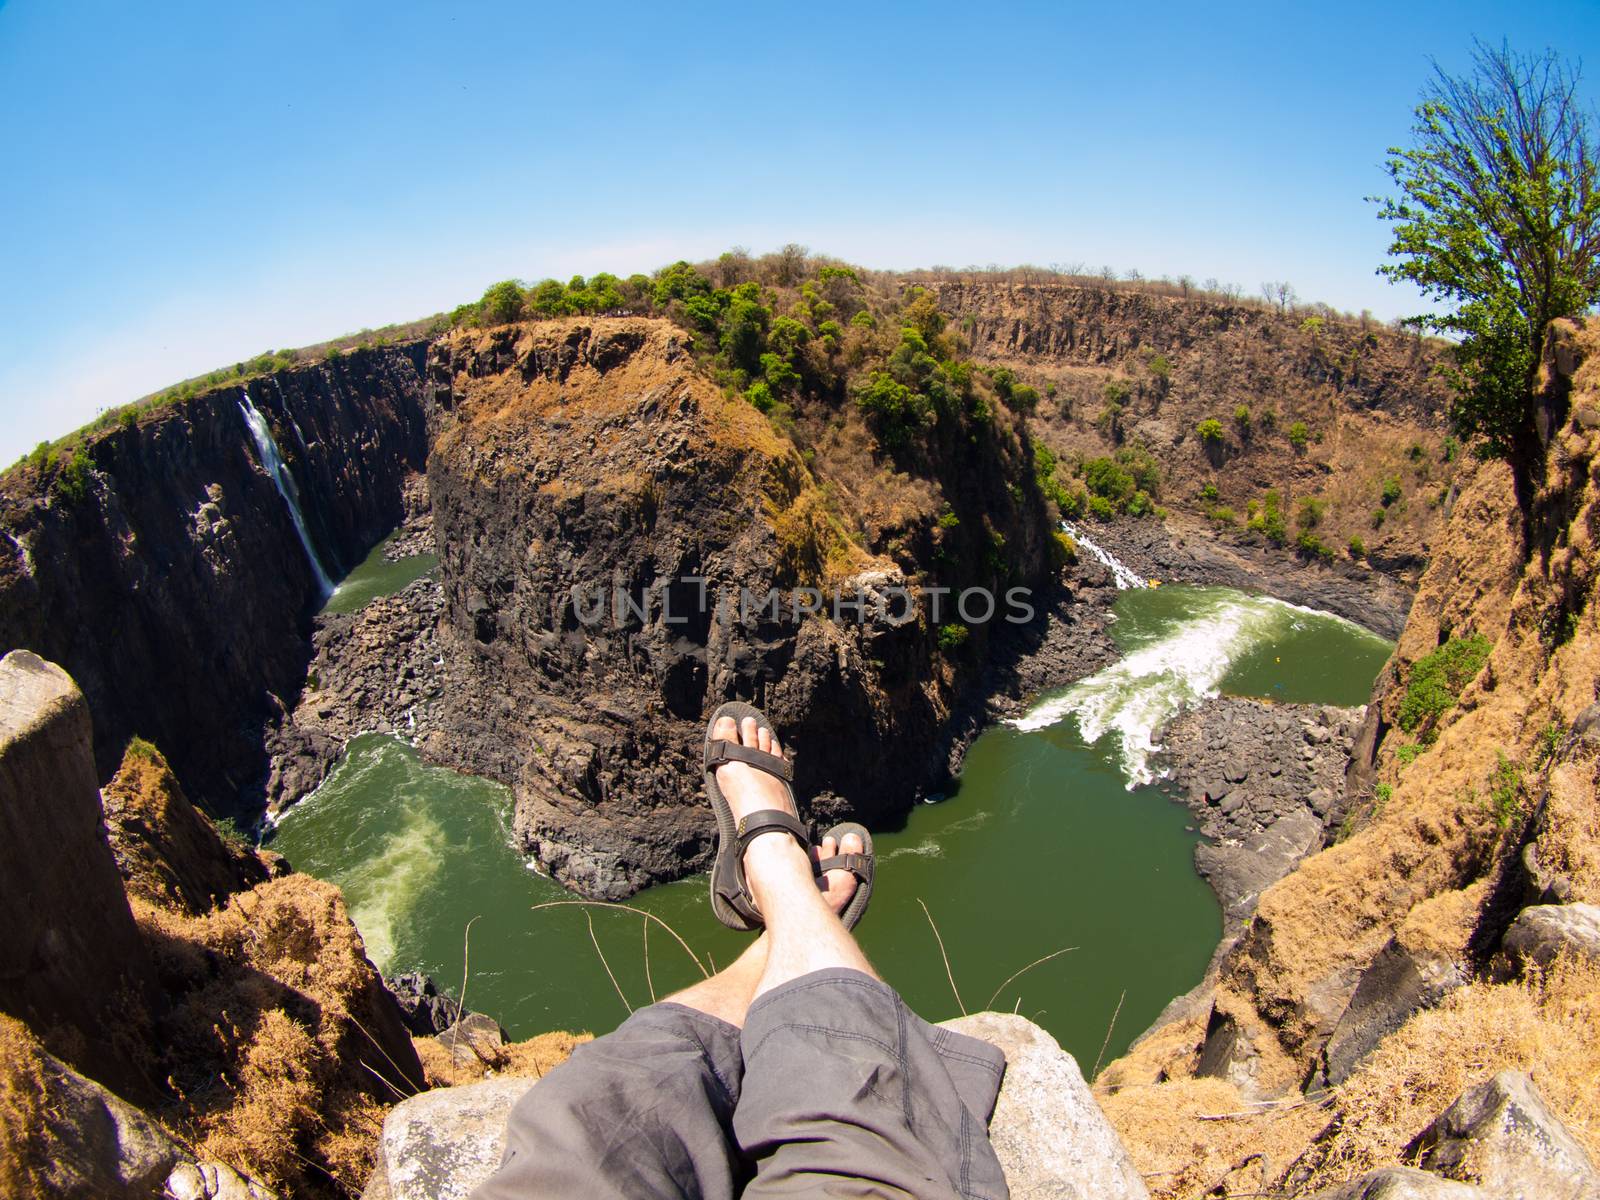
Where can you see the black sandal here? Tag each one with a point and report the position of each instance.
(860, 864)
(730, 897)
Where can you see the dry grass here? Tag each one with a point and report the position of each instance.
(1569, 842)
(1190, 1137)
(24, 1159)
(533, 1058)
(270, 1044)
(1548, 1026)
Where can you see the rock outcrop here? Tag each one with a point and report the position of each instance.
(65, 1136)
(1376, 965)
(1131, 365)
(1543, 932)
(72, 963)
(1051, 1137)
(1501, 1136)
(172, 584)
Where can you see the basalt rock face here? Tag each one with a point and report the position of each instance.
(173, 586)
(610, 526)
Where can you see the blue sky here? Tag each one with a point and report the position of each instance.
(187, 184)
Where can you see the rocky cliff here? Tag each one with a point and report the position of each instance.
(167, 576)
(1377, 983)
(144, 955)
(623, 546)
(1121, 365)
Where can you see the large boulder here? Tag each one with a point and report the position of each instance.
(72, 963)
(1401, 1183)
(1544, 931)
(1050, 1135)
(1402, 980)
(1500, 1135)
(439, 1145)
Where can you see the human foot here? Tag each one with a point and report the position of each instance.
(749, 790)
(838, 886)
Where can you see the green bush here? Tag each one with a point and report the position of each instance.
(1107, 479)
(1063, 550)
(71, 483)
(1391, 491)
(1505, 787)
(1452, 448)
(1378, 518)
(1100, 508)
(1222, 515)
(1210, 431)
(1310, 512)
(1358, 548)
(1142, 465)
(1268, 519)
(502, 302)
(1437, 680)
(759, 395)
(952, 636)
(1161, 367)
(1409, 753)
(1209, 493)
(1241, 419)
(1312, 546)
(1299, 435)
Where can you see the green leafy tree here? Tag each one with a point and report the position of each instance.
(502, 302)
(1210, 430)
(1498, 219)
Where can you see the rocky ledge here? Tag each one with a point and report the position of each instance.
(1266, 782)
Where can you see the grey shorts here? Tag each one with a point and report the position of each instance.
(833, 1088)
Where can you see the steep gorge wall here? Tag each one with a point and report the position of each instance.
(1373, 406)
(583, 459)
(175, 589)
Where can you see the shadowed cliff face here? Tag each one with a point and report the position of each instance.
(583, 471)
(175, 589)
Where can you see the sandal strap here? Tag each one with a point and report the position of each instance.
(721, 751)
(856, 864)
(765, 821)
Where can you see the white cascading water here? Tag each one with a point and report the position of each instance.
(1137, 695)
(1124, 577)
(272, 462)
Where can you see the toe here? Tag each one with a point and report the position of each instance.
(764, 740)
(725, 729)
(749, 732)
(852, 844)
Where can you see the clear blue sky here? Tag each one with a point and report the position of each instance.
(187, 184)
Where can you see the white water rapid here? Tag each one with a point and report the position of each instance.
(1137, 695)
(272, 462)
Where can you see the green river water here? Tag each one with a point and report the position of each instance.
(1042, 844)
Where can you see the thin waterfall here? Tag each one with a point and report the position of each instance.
(1124, 577)
(274, 465)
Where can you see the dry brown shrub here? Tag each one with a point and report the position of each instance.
(269, 1044)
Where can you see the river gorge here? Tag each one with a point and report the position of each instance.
(1057, 838)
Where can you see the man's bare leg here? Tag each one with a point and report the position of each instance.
(728, 993)
(804, 933)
